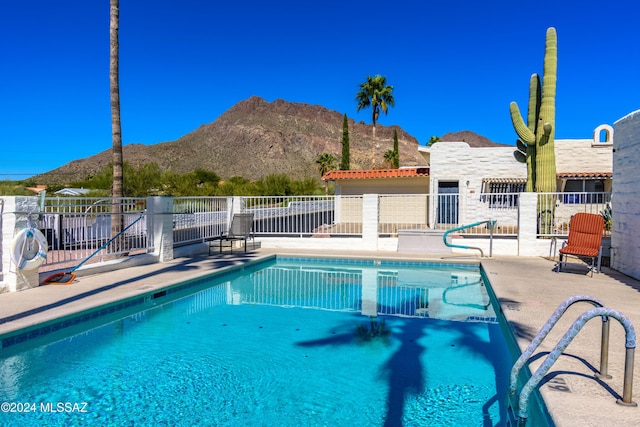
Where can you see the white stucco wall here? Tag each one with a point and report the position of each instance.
(415, 185)
(457, 161)
(585, 155)
(625, 204)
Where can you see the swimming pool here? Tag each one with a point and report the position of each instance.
(281, 342)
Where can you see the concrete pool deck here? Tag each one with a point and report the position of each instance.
(528, 289)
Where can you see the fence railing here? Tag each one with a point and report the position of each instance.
(562, 206)
(196, 219)
(402, 212)
(304, 216)
(75, 227)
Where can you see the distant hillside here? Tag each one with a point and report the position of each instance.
(255, 138)
(471, 138)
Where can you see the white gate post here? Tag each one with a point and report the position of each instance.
(527, 224)
(370, 221)
(160, 226)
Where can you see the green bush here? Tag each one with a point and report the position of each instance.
(149, 180)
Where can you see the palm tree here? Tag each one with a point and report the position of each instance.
(391, 157)
(326, 162)
(116, 131)
(375, 93)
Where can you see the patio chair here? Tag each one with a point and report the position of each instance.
(584, 241)
(241, 228)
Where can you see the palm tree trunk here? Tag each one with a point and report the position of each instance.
(116, 131)
(374, 119)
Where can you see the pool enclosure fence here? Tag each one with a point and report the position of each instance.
(76, 227)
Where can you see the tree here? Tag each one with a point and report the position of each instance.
(345, 161)
(116, 131)
(143, 181)
(391, 157)
(396, 160)
(433, 140)
(375, 93)
(278, 184)
(326, 162)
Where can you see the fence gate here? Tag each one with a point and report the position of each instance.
(448, 202)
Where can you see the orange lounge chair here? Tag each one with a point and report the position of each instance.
(585, 240)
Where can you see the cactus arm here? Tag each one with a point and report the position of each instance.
(535, 98)
(546, 134)
(519, 126)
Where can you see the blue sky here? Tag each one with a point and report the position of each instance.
(454, 66)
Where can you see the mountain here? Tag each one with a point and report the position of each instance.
(471, 138)
(256, 138)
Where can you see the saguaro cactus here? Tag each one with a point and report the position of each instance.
(536, 137)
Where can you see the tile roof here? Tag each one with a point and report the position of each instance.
(584, 174)
(376, 173)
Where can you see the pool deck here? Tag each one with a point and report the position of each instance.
(528, 289)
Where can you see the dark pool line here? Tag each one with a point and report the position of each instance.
(382, 262)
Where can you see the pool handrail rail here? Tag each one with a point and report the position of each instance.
(546, 328)
(553, 355)
(491, 225)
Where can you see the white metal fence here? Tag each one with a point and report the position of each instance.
(562, 206)
(301, 216)
(76, 227)
(196, 219)
(398, 212)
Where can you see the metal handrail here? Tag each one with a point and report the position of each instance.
(630, 345)
(490, 222)
(553, 319)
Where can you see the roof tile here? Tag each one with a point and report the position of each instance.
(584, 174)
(376, 173)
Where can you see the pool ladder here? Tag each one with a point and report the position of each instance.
(599, 310)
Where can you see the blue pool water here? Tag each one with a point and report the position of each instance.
(281, 343)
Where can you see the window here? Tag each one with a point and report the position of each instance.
(502, 193)
(581, 191)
